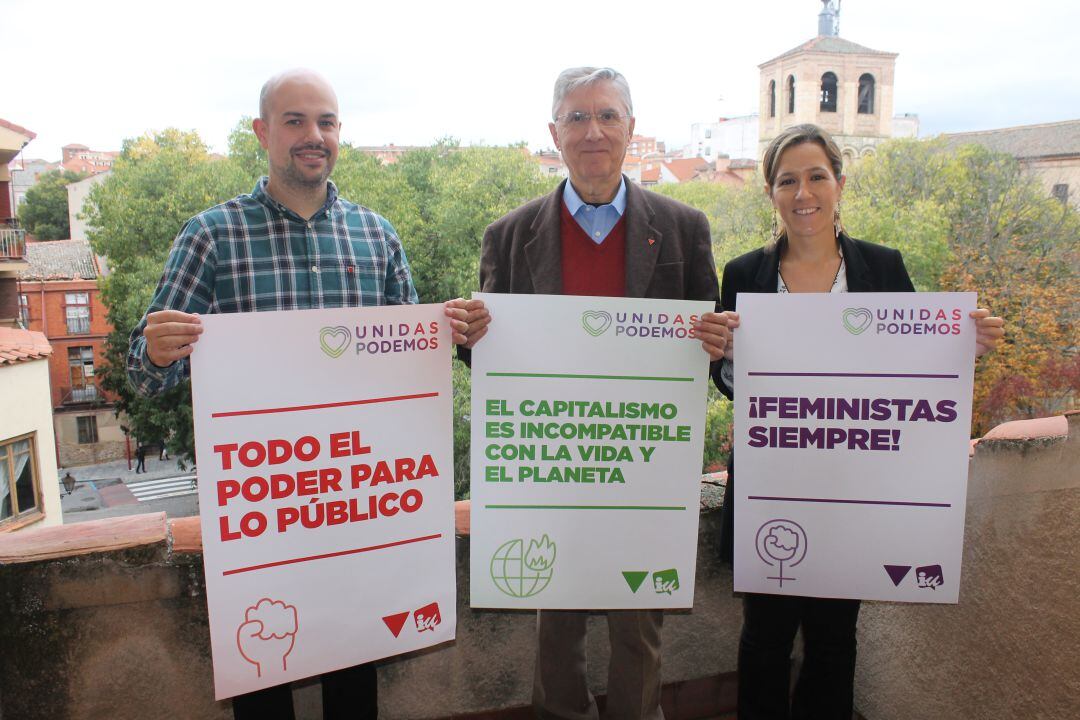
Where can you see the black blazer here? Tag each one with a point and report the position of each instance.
(869, 268)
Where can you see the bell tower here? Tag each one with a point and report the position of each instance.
(844, 87)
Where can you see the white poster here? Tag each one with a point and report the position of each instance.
(325, 468)
(587, 430)
(852, 422)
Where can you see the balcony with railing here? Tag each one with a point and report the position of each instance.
(80, 395)
(12, 243)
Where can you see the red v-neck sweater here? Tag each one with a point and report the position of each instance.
(588, 268)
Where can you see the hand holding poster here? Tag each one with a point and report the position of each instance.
(325, 487)
(852, 419)
(587, 430)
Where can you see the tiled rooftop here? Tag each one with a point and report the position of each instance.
(17, 128)
(17, 345)
(830, 44)
(60, 260)
(687, 168)
(1026, 141)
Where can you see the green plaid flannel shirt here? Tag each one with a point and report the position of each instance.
(252, 254)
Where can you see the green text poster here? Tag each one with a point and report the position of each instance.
(587, 430)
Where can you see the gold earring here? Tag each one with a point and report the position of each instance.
(837, 225)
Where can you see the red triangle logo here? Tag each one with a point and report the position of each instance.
(396, 622)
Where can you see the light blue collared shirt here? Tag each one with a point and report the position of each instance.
(597, 222)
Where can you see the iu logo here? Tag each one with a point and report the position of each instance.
(428, 617)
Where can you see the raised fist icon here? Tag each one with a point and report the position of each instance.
(267, 634)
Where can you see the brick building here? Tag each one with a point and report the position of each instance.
(839, 85)
(81, 159)
(58, 296)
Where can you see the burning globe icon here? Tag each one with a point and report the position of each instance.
(520, 572)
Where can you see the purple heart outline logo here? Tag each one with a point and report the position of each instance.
(856, 320)
(334, 340)
(595, 322)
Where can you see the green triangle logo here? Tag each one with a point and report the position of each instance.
(634, 578)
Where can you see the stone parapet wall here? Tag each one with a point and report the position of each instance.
(1011, 647)
(107, 619)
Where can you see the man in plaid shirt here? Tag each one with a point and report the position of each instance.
(291, 244)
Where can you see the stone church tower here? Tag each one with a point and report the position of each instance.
(843, 87)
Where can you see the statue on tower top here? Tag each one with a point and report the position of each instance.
(829, 18)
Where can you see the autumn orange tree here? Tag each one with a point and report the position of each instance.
(965, 219)
(968, 219)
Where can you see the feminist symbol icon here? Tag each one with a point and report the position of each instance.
(778, 542)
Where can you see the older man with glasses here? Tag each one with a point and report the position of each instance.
(599, 234)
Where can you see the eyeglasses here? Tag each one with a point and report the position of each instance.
(577, 119)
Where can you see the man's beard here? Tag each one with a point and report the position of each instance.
(292, 177)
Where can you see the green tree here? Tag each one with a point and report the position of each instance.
(439, 199)
(965, 219)
(157, 183)
(740, 218)
(245, 150)
(969, 219)
(44, 212)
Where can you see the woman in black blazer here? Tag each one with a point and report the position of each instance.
(811, 253)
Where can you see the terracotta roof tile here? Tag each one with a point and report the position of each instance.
(17, 128)
(687, 168)
(17, 345)
(829, 44)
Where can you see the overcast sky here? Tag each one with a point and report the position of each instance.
(408, 72)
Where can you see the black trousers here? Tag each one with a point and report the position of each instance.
(825, 685)
(349, 694)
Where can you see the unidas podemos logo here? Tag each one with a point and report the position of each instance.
(643, 325)
(379, 338)
(902, 321)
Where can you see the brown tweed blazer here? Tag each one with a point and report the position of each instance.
(668, 249)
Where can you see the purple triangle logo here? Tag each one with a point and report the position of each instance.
(897, 573)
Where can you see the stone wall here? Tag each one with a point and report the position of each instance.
(111, 444)
(107, 619)
(1011, 647)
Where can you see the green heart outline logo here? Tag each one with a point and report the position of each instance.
(856, 320)
(595, 322)
(334, 340)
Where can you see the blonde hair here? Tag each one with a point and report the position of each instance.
(797, 135)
